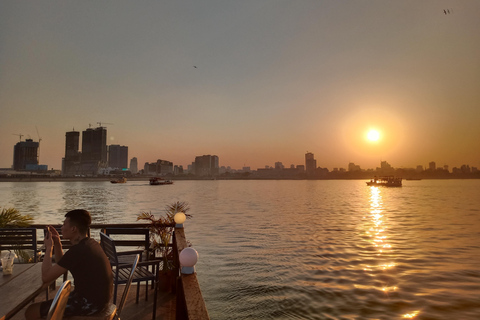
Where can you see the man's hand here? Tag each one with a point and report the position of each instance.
(55, 235)
(48, 241)
(51, 272)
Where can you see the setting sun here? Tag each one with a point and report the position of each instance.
(373, 135)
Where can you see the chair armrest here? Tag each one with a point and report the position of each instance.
(150, 262)
(124, 253)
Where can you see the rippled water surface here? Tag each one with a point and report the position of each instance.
(305, 249)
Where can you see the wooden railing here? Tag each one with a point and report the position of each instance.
(190, 303)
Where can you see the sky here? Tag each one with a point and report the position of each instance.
(254, 81)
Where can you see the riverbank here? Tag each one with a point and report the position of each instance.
(35, 178)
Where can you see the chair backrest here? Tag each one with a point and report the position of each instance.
(59, 303)
(108, 245)
(130, 237)
(127, 286)
(19, 239)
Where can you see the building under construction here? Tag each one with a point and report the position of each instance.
(93, 155)
(25, 155)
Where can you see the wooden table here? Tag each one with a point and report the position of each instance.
(19, 289)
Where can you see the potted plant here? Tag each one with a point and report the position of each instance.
(161, 232)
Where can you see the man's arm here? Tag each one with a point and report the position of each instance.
(50, 272)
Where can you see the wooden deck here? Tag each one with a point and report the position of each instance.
(186, 303)
(166, 305)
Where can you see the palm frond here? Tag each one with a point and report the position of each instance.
(161, 228)
(11, 217)
(146, 216)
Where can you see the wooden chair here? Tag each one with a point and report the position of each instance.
(122, 271)
(59, 302)
(131, 237)
(19, 239)
(113, 311)
(127, 288)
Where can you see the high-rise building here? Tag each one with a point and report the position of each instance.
(279, 166)
(118, 156)
(161, 167)
(134, 165)
(72, 143)
(352, 167)
(206, 165)
(94, 150)
(71, 162)
(94, 144)
(384, 165)
(25, 153)
(310, 163)
(177, 169)
(164, 167)
(432, 166)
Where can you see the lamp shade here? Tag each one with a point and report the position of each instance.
(180, 218)
(188, 258)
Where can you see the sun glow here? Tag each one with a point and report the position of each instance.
(373, 135)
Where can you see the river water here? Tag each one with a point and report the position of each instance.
(304, 249)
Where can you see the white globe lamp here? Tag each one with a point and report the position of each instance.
(188, 258)
(179, 218)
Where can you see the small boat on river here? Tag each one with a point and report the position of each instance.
(120, 180)
(155, 181)
(387, 181)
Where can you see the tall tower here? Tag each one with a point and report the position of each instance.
(206, 165)
(118, 156)
(25, 153)
(310, 164)
(94, 150)
(71, 162)
(134, 165)
(72, 139)
(94, 144)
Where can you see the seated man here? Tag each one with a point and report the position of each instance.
(85, 260)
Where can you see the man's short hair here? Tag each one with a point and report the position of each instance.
(80, 218)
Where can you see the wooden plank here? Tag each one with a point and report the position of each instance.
(18, 268)
(194, 302)
(20, 290)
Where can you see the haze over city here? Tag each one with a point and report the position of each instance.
(254, 82)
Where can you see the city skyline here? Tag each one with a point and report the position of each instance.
(252, 82)
(94, 147)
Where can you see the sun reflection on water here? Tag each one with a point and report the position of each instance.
(376, 230)
(380, 269)
(411, 315)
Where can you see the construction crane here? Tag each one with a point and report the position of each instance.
(18, 134)
(100, 123)
(39, 139)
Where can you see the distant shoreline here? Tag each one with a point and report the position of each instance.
(103, 179)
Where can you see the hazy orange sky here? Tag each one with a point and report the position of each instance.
(253, 82)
